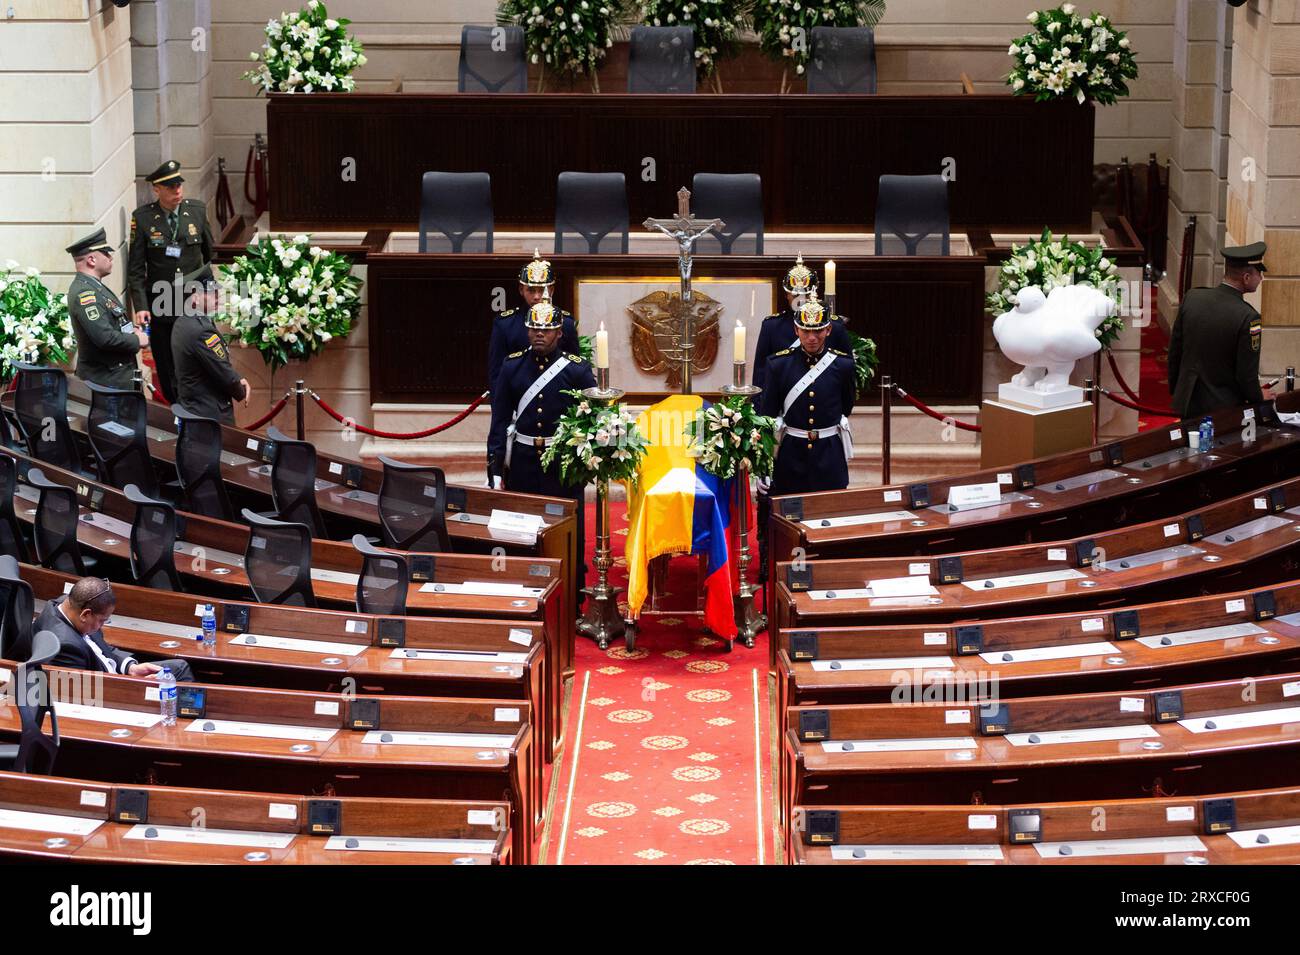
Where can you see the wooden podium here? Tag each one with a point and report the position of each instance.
(1014, 433)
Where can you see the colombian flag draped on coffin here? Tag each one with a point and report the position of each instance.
(679, 508)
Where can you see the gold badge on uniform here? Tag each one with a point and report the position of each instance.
(215, 346)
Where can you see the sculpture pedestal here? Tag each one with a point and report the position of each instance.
(1038, 400)
(1013, 434)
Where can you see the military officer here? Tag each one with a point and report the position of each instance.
(778, 331)
(169, 240)
(527, 404)
(810, 390)
(207, 382)
(509, 334)
(106, 341)
(1214, 348)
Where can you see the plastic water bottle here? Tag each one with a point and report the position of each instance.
(209, 627)
(1207, 434)
(167, 696)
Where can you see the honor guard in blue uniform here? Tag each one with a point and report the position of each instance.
(1214, 348)
(527, 404)
(509, 333)
(810, 392)
(106, 340)
(778, 331)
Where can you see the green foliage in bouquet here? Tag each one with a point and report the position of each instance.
(595, 442)
(730, 433)
(306, 52)
(36, 329)
(1069, 56)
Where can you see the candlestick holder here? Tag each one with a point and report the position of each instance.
(830, 304)
(602, 621)
(748, 621)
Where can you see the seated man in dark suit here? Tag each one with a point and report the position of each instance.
(78, 620)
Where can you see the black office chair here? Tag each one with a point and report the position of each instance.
(736, 199)
(456, 212)
(153, 542)
(34, 753)
(661, 60)
(12, 540)
(41, 407)
(492, 60)
(7, 433)
(17, 610)
(56, 525)
(913, 211)
(384, 579)
(116, 427)
(278, 561)
(842, 60)
(413, 507)
(591, 211)
(293, 481)
(198, 465)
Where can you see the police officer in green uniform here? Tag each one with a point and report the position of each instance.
(208, 384)
(1214, 349)
(106, 341)
(169, 240)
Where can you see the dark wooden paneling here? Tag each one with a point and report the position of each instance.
(430, 315)
(1017, 162)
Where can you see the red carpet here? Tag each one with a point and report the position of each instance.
(667, 752)
(1153, 384)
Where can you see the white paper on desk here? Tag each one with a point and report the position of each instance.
(483, 588)
(1242, 721)
(915, 853)
(315, 734)
(213, 837)
(1277, 836)
(104, 714)
(899, 601)
(1090, 734)
(334, 576)
(463, 847)
(854, 593)
(459, 656)
(115, 429)
(856, 520)
(463, 740)
(974, 495)
(1159, 845)
(515, 523)
(911, 745)
(1063, 652)
(48, 822)
(295, 643)
(885, 663)
(912, 586)
(1024, 580)
(123, 622)
(1204, 635)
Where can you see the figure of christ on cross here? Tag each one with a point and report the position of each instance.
(685, 229)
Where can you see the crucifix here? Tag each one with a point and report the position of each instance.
(685, 229)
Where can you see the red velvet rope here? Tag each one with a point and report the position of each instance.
(1114, 368)
(1158, 412)
(921, 406)
(275, 410)
(392, 434)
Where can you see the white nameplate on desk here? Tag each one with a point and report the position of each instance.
(975, 495)
(386, 844)
(913, 586)
(916, 853)
(103, 522)
(884, 663)
(478, 588)
(1024, 580)
(1204, 635)
(463, 656)
(1242, 721)
(463, 740)
(104, 714)
(334, 576)
(1089, 848)
(213, 837)
(315, 734)
(1277, 836)
(302, 646)
(48, 822)
(1063, 652)
(916, 745)
(1090, 734)
(855, 520)
(514, 524)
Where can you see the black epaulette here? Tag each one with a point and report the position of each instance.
(520, 353)
(783, 351)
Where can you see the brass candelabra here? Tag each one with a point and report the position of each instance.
(602, 621)
(748, 621)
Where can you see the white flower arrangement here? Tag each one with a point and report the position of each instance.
(288, 298)
(35, 322)
(306, 52)
(1069, 56)
(595, 442)
(730, 434)
(1049, 262)
(716, 24)
(784, 27)
(568, 37)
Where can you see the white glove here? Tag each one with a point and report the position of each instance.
(497, 482)
(763, 484)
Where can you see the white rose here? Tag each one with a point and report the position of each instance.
(1032, 18)
(1124, 43)
(1019, 84)
(331, 24)
(1067, 8)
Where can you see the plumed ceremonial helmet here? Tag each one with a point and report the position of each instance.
(537, 273)
(811, 315)
(800, 280)
(543, 315)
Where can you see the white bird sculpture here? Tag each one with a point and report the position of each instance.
(1048, 334)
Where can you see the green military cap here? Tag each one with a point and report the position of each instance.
(168, 174)
(1246, 255)
(95, 242)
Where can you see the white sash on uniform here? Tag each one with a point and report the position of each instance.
(544, 379)
(815, 372)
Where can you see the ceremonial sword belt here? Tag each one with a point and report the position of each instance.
(842, 429)
(512, 434)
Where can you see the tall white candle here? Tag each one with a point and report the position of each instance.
(738, 352)
(830, 278)
(602, 347)
(753, 299)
